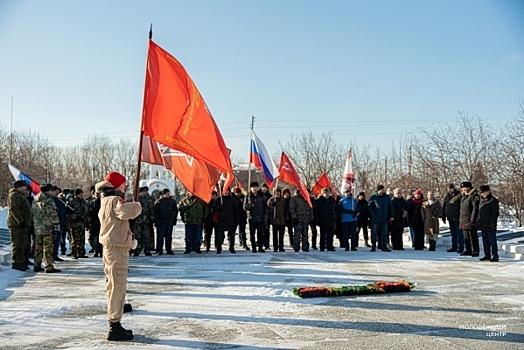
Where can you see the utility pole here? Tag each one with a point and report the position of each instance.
(249, 159)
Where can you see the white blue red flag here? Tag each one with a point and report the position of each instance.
(19, 175)
(261, 159)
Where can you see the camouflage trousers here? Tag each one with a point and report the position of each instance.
(143, 236)
(44, 246)
(78, 241)
(19, 237)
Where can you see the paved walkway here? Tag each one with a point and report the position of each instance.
(245, 302)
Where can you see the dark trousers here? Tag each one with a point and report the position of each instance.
(314, 234)
(489, 241)
(63, 238)
(164, 234)
(266, 235)
(364, 228)
(290, 232)
(396, 238)
(457, 237)
(257, 229)
(418, 229)
(278, 237)
(473, 237)
(326, 238)
(57, 241)
(242, 237)
(193, 237)
(220, 235)
(379, 234)
(349, 230)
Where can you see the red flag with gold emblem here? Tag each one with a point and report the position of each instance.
(289, 175)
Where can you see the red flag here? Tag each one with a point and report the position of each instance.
(289, 175)
(175, 114)
(197, 177)
(322, 182)
(239, 184)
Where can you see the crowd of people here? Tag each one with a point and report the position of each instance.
(259, 218)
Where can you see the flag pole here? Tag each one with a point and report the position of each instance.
(249, 162)
(141, 133)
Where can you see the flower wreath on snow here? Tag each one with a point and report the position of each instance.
(378, 287)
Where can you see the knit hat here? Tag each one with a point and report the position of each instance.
(418, 191)
(143, 189)
(19, 183)
(451, 186)
(325, 190)
(380, 187)
(78, 191)
(466, 184)
(46, 187)
(254, 184)
(363, 194)
(116, 179)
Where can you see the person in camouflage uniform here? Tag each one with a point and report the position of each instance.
(78, 221)
(144, 222)
(47, 224)
(301, 214)
(18, 221)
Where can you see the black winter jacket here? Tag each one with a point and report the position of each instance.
(488, 214)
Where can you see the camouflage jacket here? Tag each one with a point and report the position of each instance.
(147, 216)
(193, 210)
(80, 214)
(19, 213)
(45, 215)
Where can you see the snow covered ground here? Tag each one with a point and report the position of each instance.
(245, 301)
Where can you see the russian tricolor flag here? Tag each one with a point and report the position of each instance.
(261, 159)
(18, 175)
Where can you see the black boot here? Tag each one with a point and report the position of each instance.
(432, 245)
(119, 333)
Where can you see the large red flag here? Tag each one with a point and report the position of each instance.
(289, 175)
(197, 177)
(322, 182)
(175, 114)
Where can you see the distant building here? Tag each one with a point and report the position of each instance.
(160, 178)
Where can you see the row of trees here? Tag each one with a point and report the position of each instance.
(470, 149)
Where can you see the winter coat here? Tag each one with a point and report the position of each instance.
(45, 215)
(314, 212)
(363, 212)
(451, 207)
(147, 216)
(193, 210)
(242, 215)
(299, 210)
(400, 211)
(415, 211)
(228, 212)
(79, 216)
(256, 206)
(278, 210)
(380, 208)
(430, 214)
(165, 211)
(62, 211)
(19, 213)
(469, 210)
(114, 216)
(488, 214)
(94, 220)
(326, 208)
(347, 207)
